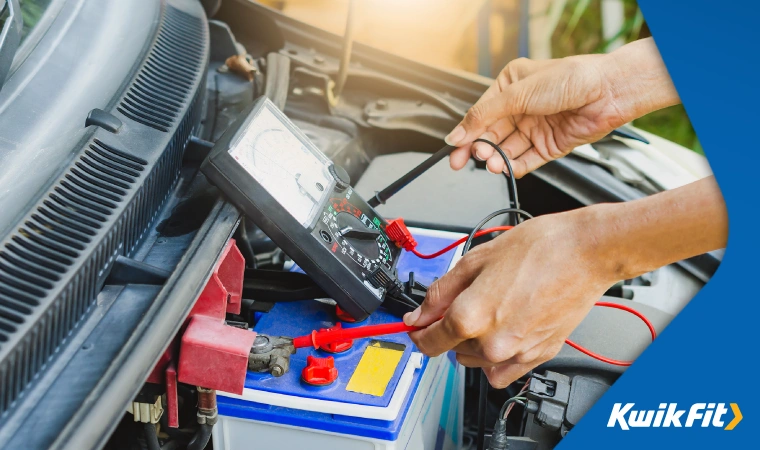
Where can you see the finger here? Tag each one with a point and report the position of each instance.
(495, 133)
(520, 68)
(460, 323)
(496, 164)
(486, 112)
(515, 71)
(503, 375)
(472, 361)
(459, 157)
(499, 375)
(528, 162)
(443, 291)
(517, 143)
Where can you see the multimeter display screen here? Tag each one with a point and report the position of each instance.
(284, 164)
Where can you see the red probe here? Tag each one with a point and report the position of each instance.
(319, 338)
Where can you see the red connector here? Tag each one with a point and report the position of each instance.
(402, 237)
(400, 234)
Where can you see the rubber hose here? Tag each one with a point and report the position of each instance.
(201, 438)
(151, 438)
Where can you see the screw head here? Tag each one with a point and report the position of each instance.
(261, 344)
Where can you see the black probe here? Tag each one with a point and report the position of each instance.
(382, 196)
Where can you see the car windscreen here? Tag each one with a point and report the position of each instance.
(32, 11)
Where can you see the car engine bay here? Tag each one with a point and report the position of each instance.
(387, 117)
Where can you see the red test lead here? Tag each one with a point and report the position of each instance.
(319, 338)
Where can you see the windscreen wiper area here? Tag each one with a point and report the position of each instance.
(10, 35)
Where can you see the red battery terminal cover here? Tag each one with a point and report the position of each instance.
(319, 371)
(336, 346)
(343, 316)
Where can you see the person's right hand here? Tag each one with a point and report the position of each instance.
(540, 110)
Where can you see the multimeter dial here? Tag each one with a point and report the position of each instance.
(355, 234)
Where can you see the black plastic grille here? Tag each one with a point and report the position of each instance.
(156, 97)
(45, 248)
(53, 266)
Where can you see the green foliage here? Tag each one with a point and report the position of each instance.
(579, 31)
(31, 12)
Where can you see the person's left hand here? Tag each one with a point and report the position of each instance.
(508, 305)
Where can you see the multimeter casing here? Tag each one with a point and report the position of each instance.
(313, 239)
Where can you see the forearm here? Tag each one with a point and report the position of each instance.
(636, 237)
(638, 79)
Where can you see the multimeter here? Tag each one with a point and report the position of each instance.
(282, 182)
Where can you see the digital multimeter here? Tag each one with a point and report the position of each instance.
(282, 182)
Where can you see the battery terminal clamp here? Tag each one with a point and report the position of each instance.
(271, 354)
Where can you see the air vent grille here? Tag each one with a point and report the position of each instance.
(166, 79)
(45, 247)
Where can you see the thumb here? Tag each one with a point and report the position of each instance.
(485, 113)
(442, 293)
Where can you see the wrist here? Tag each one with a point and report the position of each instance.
(620, 241)
(639, 82)
(604, 246)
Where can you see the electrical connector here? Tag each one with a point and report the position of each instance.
(400, 234)
(383, 278)
(548, 396)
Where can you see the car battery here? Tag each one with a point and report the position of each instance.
(387, 394)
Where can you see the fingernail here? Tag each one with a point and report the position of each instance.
(456, 135)
(411, 318)
(489, 170)
(476, 156)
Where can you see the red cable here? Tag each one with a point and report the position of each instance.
(604, 358)
(460, 241)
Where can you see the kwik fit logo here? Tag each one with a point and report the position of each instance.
(669, 415)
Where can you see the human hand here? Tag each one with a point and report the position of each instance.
(508, 305)
(540, 110)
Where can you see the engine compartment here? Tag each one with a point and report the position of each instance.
(391, 115)
(359, 137)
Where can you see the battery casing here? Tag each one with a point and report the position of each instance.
(421, 406)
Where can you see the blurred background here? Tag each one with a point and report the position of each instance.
(482, 36)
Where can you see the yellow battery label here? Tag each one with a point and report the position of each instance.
(376, 368)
